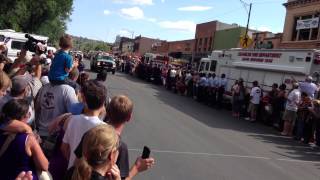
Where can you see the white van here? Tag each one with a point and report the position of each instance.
(16, 42)
(265, 66)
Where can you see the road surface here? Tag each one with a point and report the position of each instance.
(192, 141)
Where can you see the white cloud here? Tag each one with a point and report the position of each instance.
(135, 13)
(163, 1)
(151, 19)
(264, 28)
(125, 33)
(188, 26)
(135, 2)
(106, 12)
(195, 8)
(132, 13)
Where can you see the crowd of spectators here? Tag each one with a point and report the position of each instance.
(293, 109)
(57, 123)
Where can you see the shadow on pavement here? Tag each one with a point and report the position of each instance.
(223, 120)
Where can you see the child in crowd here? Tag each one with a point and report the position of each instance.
(62, 63)
(99, 156)
(94, 96)
(119, 114)
(255, 96)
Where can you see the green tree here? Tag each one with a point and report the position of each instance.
(45, 17)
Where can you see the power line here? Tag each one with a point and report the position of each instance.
(245, 5)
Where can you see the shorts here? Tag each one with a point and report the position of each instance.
(253, 108)
(290, 116)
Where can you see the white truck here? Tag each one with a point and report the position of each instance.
(16, 41)
(265, 66)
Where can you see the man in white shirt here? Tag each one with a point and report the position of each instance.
(255, 96)
(308, 87)
(290, 113)
(221, 89)
(209, 89)
(94, 96)
(202, 87)
(214, 88)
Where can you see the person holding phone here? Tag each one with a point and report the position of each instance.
(99, 155)
(119, 113)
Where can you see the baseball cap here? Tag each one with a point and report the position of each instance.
(20, 82)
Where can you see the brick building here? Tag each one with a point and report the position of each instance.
(127, 47)
(266, 40)
(161, 48)
(301, 29)
(204, 38)
(176, 49)
(144, 45)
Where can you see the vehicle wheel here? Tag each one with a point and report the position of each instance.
(113, 71)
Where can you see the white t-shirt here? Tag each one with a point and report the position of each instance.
(77, 127)
(215, 82)
(309, 88)
(173, 73)
(256, 95)
(210, 82)
(53, 101)
(294, 98)
(223, 83)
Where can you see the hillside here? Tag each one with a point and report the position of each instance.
(85, 44)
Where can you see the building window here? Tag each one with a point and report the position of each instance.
(199, 50)
(200, 42)
(314, 33)
(196, 45)
(304, 34)
(17, 45)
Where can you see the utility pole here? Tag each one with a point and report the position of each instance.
(247, 29)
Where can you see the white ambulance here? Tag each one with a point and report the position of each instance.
(265, 66)
(16, 41)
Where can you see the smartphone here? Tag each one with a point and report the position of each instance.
(146, 152)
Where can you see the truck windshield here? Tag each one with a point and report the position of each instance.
(201, 67)
(213, 66)
(109, 58)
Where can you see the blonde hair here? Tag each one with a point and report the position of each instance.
(97, 145)
(5, 81)
(119, 109)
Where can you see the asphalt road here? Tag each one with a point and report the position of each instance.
(192, 141)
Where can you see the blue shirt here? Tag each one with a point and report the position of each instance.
(203, 81)
(61, 61)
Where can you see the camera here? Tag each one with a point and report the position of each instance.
(31, 45)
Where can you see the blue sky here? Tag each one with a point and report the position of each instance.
(167, 19)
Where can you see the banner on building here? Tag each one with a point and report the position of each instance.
(308, 23)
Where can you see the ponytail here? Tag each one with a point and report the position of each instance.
(82, 170)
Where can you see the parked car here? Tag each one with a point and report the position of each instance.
(103, 62)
